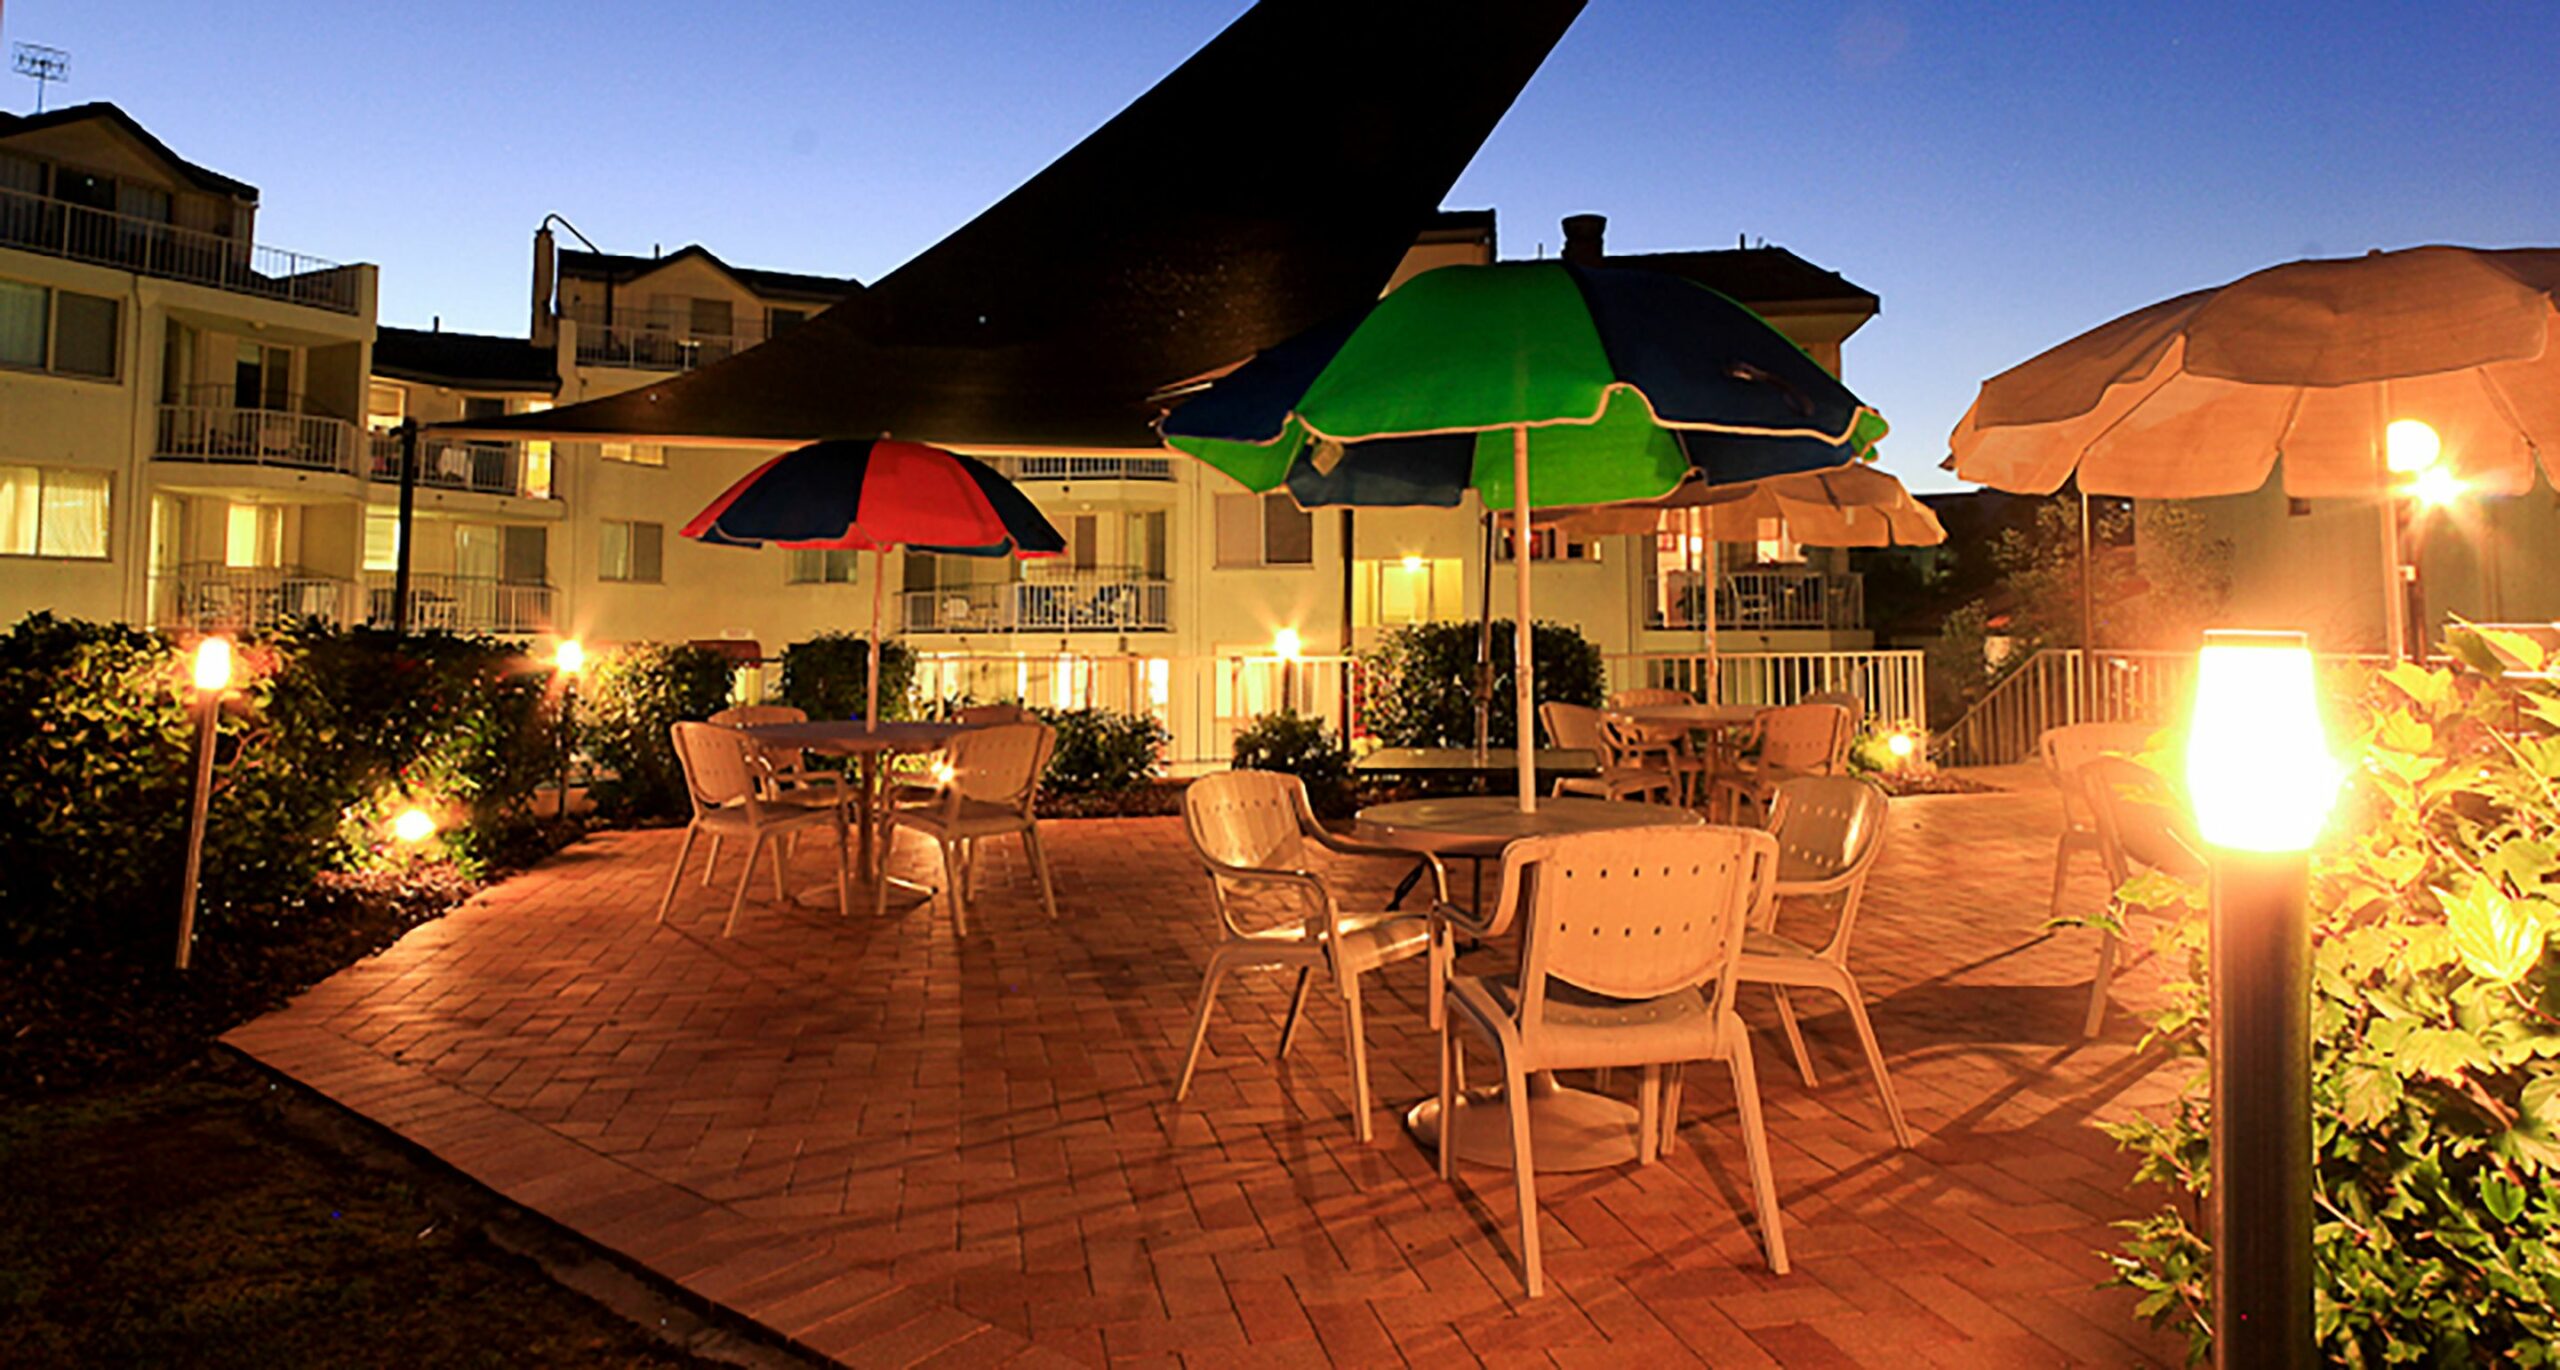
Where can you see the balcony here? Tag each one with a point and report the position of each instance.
(440, 602)
(148, 247)
(1069, 467)
(487, 468)
(206, 596)
(1091, 600)
(658, 339)
(1764, 599)
(218, 431)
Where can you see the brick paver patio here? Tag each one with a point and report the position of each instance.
(895, 1147)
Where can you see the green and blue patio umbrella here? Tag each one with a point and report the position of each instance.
(1535, 384)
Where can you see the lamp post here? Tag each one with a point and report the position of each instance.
(570, 659)
(212, 677)
(2260, 775)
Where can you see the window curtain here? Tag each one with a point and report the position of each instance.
(74, 521)
(18, 504)
(22, 323)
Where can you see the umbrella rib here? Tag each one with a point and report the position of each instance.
(1608, 391)
(2118, 422)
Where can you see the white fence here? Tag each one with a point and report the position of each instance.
(488, 468)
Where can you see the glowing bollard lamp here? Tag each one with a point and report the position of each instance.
(2261, 778)
(212, 676)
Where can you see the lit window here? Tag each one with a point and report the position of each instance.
(381, 540)
(636, 453)
(1776, 544)
(50, 512)
(253, 535)
(823, 565)
(630, 551)
(1408, 590)
(1546, 544)
(384, 407)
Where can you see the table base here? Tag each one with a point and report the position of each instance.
(1570, 1129)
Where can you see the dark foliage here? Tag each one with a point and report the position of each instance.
(1305, 747)
(633, 696)
(1424, 681)
(829, 676)
(1102, 751)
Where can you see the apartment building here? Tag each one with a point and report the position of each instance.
(180, 404)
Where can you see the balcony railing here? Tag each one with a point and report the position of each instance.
(1085, 601)
(216, 432)
(206, 596)
(151, 248)
(1764, 599)
(1068, 466)
(488, 468)
(659, 340)
(440, 602)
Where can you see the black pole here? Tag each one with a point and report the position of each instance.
(568, 739)
(1350, 568)
(1484, 646)
(2261, 1065)
(408, 517)
(2088, 700)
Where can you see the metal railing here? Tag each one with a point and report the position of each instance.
(1763, 599)
(2060, 685)
(1203, 701)
(221, 432)
(205, 596)
(443, 602)
(1069, 466)
(148, 247)
(489, 468)
(1893, 682)
(659, 339)
(1093, 600)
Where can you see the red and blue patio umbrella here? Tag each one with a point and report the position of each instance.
(875, 494)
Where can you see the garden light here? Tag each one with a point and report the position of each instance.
(2258, 766)
(1284, 644)
(213, 664)
(212, 678)
(413, 826)
(1901, 745)
(571, 656)
(2410, 446)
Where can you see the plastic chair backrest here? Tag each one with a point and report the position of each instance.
(1246, 819)
(1806, 738)
(1572, 726)
(2073, 745)
(1000, 765)
(1634, 913)
(717, 773)
(1637, 699)
(1850, 700)
(1827, 826)
(2139, 819)
(989, 715)
(749, 715)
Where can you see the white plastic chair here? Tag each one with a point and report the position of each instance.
(2065, 750)
(792, 782)
(2140, 821)
(725, 777)
(1251, 829)
(990, 715)
(1628, 958)
(1579, 727)
(1794, 740)
(1829, 830)
(1663, 745)
(1850, 700)
(994, 783)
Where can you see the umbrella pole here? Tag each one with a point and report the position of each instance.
(1711, 579)
(2088, 700)
(1484, 646)
(1524, 685)
(879, 579)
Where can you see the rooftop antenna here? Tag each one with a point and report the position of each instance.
(45, 64)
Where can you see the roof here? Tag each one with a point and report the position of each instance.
(200, 177)
(471, 361)
(1765, 278)
(618, 267)
(1179, 237)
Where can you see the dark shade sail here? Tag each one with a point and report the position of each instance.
(1270, 182)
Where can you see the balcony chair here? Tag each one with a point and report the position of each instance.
(1663, 746)
(1829, 831)
(1792, 741)
(1250, 830)
(726, 778)
(1629, 956)
(2140, 821)
(2065, 750)
(1579, 727)
(993, 783)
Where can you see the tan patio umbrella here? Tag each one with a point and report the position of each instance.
(2309, 362)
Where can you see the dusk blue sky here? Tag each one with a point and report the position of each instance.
(2003, 176)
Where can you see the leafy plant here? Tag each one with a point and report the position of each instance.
(1304, 747)
(1423, 681)
(1102, 751)
(2436, 1035)
(829, 676)
(634, 695)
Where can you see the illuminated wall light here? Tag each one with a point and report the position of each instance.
(2410, 446)
(213, 664)
(2258, 764)
(2436, 486)
(1285, 644)
(413, 826)
(1412, 565)
(571, 656)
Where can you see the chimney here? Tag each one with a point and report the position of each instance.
(1582, 234)
(546, 328)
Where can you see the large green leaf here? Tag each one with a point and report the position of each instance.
(2495, 939)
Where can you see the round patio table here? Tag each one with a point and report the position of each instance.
(1695, 715)
(1574, 1129)
(850, 738)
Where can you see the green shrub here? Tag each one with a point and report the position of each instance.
(632, 697)
(1305, 747)
(829, 676)
(1102, 751)
(1423, 681)
(323, 734)
(2435, 1024)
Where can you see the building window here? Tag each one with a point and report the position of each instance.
(1546, 544)
(50, 512)
(635, 453)
(61, 331)
(1776, 545)
(381, 540)
(1264, 530)
(780, 321)
(1403, 590)
(253, 535)
(631, 551)
(384, 407)
(823, 565)
(709, 318)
